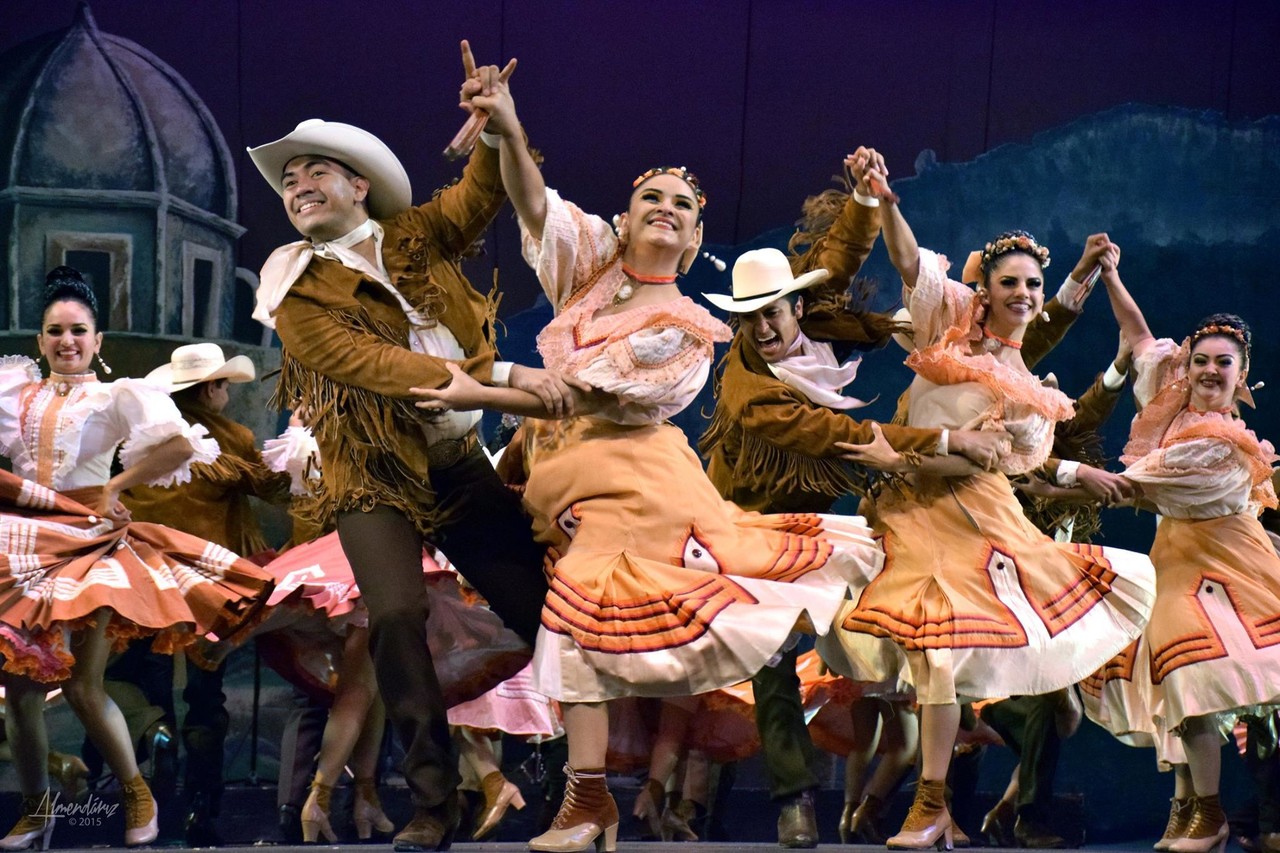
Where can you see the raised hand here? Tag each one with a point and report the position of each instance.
(480, 83)
(485, 90)
(1110, 258)
(866, 169)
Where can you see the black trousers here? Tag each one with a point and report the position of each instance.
(784, 737)
(486, 535)
(1026, 723)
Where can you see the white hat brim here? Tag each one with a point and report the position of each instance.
(902, 339)
(389, 189)
(238, 368)
(726, 302)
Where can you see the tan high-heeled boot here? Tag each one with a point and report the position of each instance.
(928, 824)
(588, 816)
(1179, 817)
(34, 827)
(315, 813)
(366, 811)
(1206, 830)
(499, 794)
(141, 820)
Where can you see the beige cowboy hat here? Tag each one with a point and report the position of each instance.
(759, 277)
(194, 363)
(364, 153)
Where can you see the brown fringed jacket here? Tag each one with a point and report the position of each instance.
(346, 348)
(768, 447)
(215, 504)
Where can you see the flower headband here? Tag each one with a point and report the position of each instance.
(1018, 241)
(680, 172)
(1217, 329)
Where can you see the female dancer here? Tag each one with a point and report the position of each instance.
(658, 586)
(67, 531)
(1209, 654)
(978, 601)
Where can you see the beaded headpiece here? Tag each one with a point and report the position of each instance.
(1014, 241)
(680, 172)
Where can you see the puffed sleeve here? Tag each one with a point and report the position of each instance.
(16, 372)
(936, 302)
(1154, 369)
(1200, 478)
(296, 453)
(147, 418)
(574, 244)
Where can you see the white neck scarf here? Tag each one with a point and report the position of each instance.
(286, 265)
(810, 367)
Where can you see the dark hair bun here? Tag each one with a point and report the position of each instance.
(66, 283)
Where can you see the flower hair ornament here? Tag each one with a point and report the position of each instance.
(680, 172)
(1013, 241)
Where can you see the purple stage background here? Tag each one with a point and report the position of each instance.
(760, 98)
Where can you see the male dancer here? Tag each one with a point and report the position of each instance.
(372, 303)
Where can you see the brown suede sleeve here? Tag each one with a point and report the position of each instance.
(1095, 405)
(792, 425)
(459, 214)
(1042, 337)
(320, 341)
(844, 248)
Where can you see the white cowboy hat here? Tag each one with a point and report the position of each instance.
(193, 363)
(906, 340)
(759, 277)
(366, 154)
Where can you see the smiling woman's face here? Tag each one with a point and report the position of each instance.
(663, 211)
(1015, 293)
(68, 337)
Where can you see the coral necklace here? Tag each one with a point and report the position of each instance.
(993, 341)
(627, 290)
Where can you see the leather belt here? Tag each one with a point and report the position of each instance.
(450, 451)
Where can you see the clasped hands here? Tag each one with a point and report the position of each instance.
(984, 449)
(555, 390)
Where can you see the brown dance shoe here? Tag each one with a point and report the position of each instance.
(798, 823)
(432, 828)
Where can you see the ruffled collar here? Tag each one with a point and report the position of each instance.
(951, 360)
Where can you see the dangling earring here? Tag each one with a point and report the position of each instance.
(106, 368)
(1044, 315)
(715, 262)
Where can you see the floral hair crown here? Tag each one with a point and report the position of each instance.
(1219, 329)
(680, 172)
(1018, 241)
